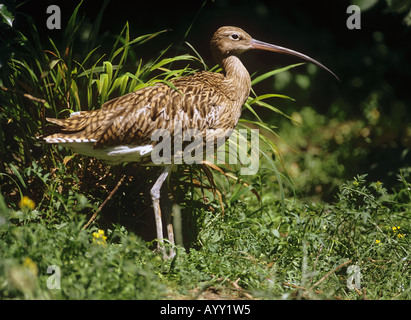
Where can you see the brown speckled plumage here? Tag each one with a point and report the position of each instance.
(131, 119)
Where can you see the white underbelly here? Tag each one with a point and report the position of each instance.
(112, 154)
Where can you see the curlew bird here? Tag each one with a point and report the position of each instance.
(121, 131)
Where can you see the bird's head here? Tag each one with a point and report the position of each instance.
(228, 41)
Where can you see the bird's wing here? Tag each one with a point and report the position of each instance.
(195, 101)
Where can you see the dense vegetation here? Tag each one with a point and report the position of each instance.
(332, 195)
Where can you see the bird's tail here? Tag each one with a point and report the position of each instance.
(79, 127)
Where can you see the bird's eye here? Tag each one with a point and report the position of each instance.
(235, 36)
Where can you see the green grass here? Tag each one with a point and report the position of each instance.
(268, 255)
(251, 237)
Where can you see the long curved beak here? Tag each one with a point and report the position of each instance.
(256, 44)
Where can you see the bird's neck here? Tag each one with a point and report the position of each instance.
(238, 82)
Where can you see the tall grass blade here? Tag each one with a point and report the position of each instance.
(273, 72)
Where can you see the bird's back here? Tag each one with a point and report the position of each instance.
(197, 102)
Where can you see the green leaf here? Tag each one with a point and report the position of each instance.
(108, 68)
(270, 95)
(268, 106)
(239, 191)
(3, 211)
(166, 61)
(17, 174)
(72, 27)
(103, 86)
(169, 84)
(5, 15)
(274, 72)
(119, 82)
(198, 55)
(252, 111)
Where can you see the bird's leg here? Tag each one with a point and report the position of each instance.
(155, 197)
(167, 206)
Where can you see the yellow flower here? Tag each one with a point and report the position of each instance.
(399, 235)
(377, 241)
(377, 185)
(99, 237)
(27, 202)
(29, 264)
